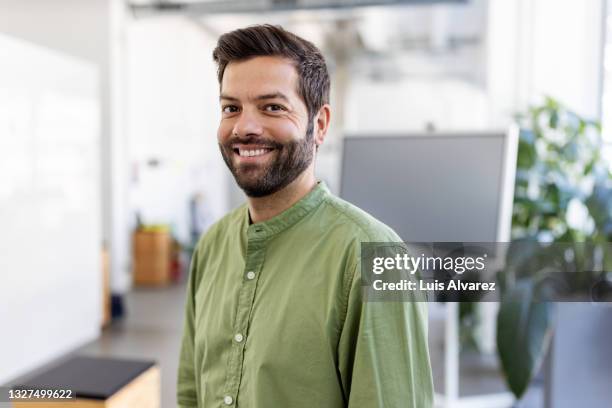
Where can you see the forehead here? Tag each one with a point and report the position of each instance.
(260, 75)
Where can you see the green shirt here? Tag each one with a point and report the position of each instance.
(275, 317)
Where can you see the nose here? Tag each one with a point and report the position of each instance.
(247, 124)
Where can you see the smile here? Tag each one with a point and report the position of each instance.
(252, 152)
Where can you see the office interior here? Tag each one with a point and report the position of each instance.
(110, 169)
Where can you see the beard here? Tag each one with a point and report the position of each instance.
(289, 161)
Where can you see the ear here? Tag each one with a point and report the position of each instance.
(321, 124)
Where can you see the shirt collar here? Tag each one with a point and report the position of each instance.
(289, 217)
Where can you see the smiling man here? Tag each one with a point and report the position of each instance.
(275, 316)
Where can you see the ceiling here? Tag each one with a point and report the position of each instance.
(255, 6)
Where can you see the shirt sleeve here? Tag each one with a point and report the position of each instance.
(186, 383)
(383, 354)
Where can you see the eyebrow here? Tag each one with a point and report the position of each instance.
(273, 95)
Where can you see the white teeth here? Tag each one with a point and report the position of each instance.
(250, 153)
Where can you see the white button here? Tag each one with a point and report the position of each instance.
(238, 337)
(228, 400)
(250, 275)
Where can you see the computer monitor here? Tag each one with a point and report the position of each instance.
(438, 187)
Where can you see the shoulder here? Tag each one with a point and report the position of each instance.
(357, 222)
(340, 230)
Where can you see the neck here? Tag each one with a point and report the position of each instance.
(263, 208)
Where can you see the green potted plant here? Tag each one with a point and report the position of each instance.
(563, 194)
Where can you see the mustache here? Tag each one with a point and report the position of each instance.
(260, 141)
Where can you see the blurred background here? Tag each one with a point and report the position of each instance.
(453, 120)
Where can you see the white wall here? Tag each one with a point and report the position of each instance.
(50, 278)
(607, 97)
(409, 105)
(505, 66)
(172, 116)
(543, 48)
(566, 53)
(74, 27)
(91, 30)
(79, 28)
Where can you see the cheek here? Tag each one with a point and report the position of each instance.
(224, 132)
(286, 130)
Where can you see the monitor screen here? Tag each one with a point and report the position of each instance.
(429, 188)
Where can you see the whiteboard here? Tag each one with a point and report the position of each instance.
(50, 278)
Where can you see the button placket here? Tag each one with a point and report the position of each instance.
(246, 297)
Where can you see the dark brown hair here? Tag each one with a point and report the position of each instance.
(269, 40)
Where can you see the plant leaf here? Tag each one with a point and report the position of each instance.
(523, 335)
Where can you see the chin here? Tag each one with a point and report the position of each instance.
(256, 190)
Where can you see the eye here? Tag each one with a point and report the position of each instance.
(274, 108)
(229, 109)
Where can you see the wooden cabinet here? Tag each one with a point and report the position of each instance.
(152, 257)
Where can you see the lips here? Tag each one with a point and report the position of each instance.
(252, 154)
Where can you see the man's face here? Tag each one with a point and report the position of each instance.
(264, 134)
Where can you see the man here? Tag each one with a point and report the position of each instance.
(274, 315)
